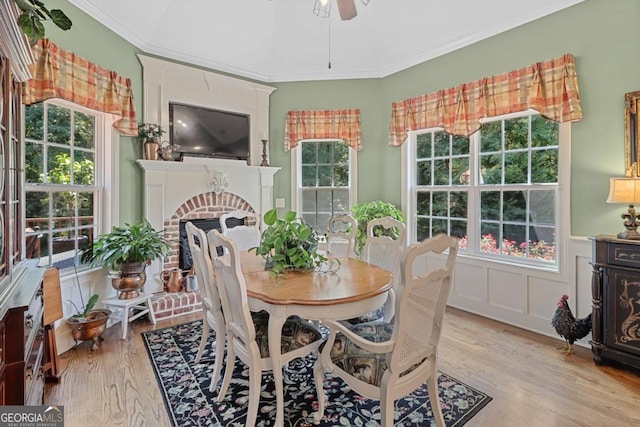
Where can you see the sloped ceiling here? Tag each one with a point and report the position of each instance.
(282, 40)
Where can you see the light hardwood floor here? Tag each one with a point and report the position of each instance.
(531, 382)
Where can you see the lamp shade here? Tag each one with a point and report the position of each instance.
(624, 190)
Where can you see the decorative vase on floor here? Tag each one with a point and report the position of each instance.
(90, 327)
(150, 149)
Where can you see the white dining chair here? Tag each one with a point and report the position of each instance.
(212, 316)
(245, 236)
(387, 361)
(341, 235)
(384, 247)
(247, 334)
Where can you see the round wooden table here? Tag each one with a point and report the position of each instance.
(354, 289)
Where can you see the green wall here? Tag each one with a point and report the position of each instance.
(601, 34)
(93, 41)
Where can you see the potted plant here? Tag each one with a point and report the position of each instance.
(126, 251)
(150, 133)
(88, 323)
(288, 244)
(365, 212)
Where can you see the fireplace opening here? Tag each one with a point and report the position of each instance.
(185, 262)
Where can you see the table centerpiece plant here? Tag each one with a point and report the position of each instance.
(288, 244)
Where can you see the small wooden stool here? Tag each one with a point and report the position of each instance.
(142, 303)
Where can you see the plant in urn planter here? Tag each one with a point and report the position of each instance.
(88, 323)
(126, 252)
(150, 133)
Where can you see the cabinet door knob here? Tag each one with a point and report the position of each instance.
(29, 321)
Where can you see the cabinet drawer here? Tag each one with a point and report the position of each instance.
(625, 255)
(33, 318)
(34, 373)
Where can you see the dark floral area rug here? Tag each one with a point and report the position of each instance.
(185, 388)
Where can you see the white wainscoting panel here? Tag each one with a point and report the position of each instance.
(470, 282)
(524, 297)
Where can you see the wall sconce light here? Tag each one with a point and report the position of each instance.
(626, 190)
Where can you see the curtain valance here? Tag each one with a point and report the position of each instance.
(310, 124)
(58, 73)
(549, 87)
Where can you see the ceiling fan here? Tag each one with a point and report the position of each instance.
(346, 8)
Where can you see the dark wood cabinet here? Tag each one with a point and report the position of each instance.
(22, 341)
(616, 300)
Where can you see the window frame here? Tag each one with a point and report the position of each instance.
(562, 214)
(296, 172)
(106, 171)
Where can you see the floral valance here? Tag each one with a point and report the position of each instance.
(322, 124)
(58, 73)
(549, 87)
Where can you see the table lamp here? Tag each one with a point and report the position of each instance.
(626, 190)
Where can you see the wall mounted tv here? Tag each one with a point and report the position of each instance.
(204, 132)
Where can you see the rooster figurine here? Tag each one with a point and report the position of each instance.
(567, 326)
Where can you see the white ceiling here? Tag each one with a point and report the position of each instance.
(282, 40)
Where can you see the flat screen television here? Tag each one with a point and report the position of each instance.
(204, 132)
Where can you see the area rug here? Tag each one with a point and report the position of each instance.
(185, 389)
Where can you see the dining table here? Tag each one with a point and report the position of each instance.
(350, 288)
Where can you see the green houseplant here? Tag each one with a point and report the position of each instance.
(126, 251)
(288, 243)
(88, 323)
(365, 212)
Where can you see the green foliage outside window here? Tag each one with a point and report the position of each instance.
(325, 182)
(59, 153)
(517, 213)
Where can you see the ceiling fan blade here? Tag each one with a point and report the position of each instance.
(347, 9)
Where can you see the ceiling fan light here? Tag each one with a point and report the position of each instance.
(322, 8)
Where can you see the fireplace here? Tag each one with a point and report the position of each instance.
(185, 261)
(199, 189)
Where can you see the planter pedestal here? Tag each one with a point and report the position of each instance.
(141, 303)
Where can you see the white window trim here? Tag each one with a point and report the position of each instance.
(106, 171)
(563, 213)
(296, 178)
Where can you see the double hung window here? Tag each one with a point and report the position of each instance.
(497, 189)
(324, 181)
(63, 186)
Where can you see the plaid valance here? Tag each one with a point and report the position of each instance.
(58, 73)
(549, 87)
(322, 124)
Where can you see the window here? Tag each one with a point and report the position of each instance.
(497, 190)
(63, 187)
(324, 181)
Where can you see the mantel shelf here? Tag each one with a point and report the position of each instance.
(207, 165)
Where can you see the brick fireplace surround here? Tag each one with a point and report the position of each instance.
(197, 188)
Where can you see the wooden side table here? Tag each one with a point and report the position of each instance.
(142, 303)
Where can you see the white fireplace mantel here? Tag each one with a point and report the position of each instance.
(169, 184)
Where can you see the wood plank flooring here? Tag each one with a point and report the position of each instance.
(531, 382)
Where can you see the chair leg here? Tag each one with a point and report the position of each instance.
(432, 388)
(318, 374)
(255, 381)
(204, 338)
(219, 355)
(386, 408)
(231, 363)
